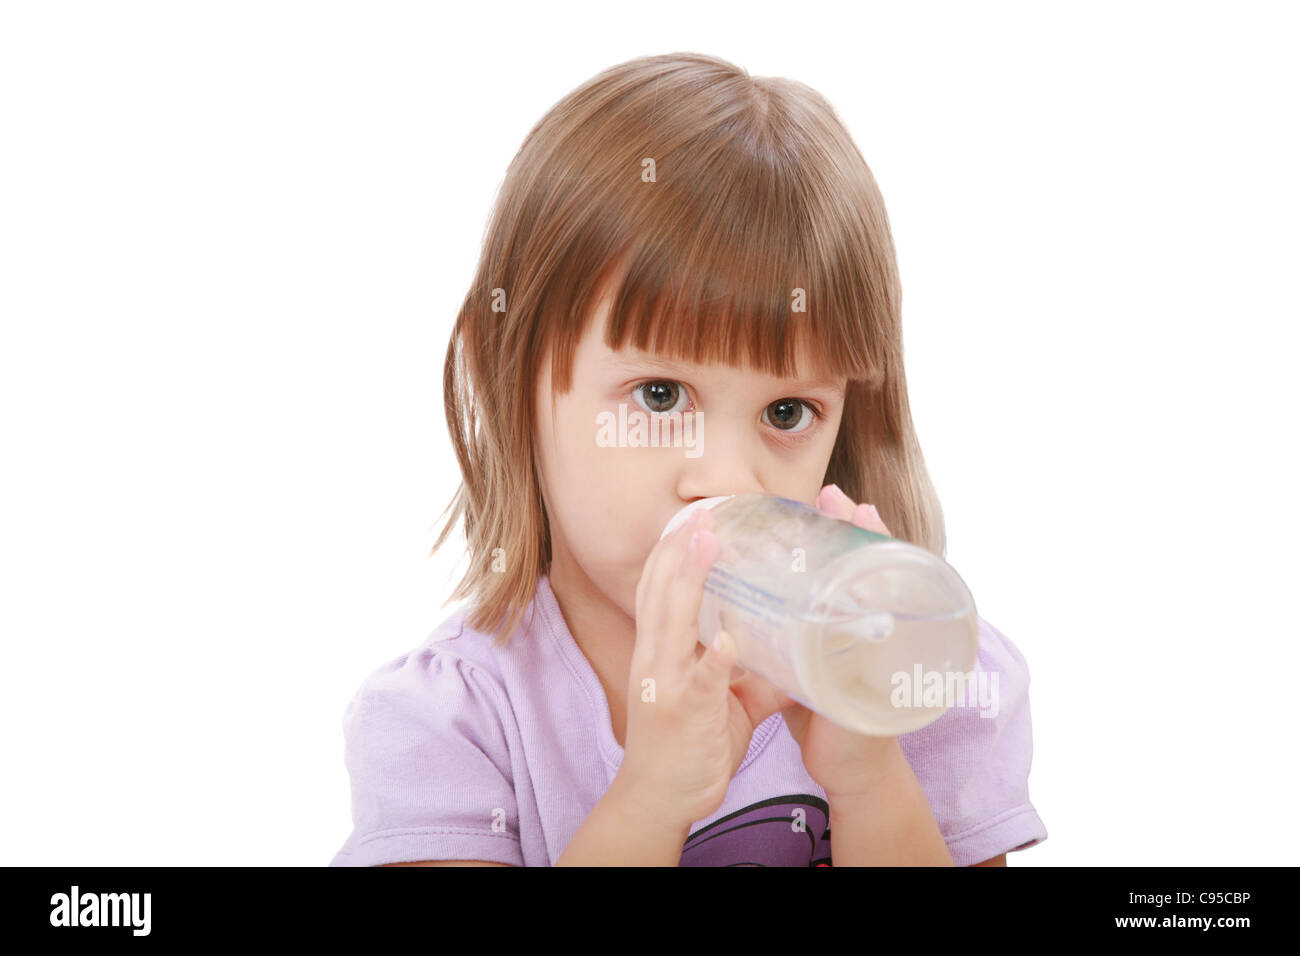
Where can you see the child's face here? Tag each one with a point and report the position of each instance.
(608, 503)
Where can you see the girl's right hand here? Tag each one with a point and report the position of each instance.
(688, 732)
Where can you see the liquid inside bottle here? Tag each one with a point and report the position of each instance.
(873, 633)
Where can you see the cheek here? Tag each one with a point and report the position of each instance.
(801, 473)
(605, 499)
(608, 539)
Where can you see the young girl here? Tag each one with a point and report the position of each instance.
(674, 238)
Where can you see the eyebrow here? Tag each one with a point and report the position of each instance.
(642, 360)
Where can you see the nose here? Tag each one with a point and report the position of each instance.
(723, 466)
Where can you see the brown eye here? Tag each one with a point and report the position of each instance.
(789, 415)
(659, 397)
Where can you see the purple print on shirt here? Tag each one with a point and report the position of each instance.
(782, 831)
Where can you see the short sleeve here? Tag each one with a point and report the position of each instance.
(429, 764)
(973, 762)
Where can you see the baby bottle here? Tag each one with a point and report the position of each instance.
(873, 633)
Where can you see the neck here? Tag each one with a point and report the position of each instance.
(597, 624)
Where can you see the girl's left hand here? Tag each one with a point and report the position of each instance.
(843, 762)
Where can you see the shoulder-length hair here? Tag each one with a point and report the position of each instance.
(707, 200)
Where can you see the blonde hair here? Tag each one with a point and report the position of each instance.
(702, 198)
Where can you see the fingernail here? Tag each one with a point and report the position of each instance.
(841, 495)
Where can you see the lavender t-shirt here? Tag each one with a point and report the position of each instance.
(459, 750)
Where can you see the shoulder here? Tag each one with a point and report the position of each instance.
(454, 671)
(997, 654)
(992, 704)
(437, 716)
(973, 761)
(431, 753)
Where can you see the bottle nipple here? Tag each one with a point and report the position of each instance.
(873, 626)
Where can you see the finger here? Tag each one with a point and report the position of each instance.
(835, 502)
(866, 516)
(683, 595)
(661, 566)
(712, 672)
(759, 698)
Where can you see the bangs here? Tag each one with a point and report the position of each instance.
(760, 238)
(735, 302)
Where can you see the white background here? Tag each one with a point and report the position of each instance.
(233, 237)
